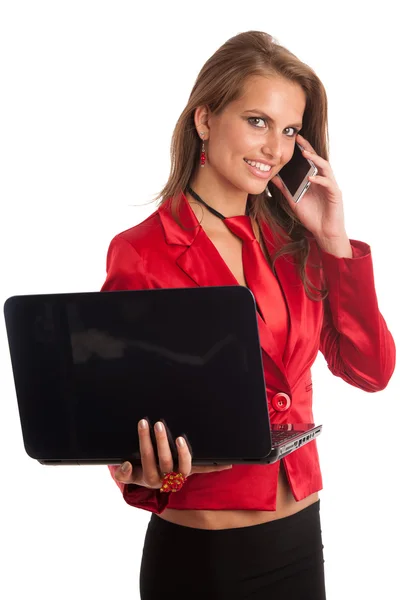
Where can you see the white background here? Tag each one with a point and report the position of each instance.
(90, 93)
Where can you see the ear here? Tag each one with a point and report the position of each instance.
(201, 116)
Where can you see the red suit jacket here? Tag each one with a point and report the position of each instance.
(347, 328)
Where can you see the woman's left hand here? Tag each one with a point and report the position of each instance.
(321, 208)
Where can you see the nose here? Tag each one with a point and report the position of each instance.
(273, 147)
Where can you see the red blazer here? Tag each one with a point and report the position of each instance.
(347, 328)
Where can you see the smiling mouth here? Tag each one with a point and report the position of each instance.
(258, 165)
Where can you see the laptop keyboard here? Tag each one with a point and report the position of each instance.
(280, 437)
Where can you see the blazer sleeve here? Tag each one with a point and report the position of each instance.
(355, 340)
(125, 271)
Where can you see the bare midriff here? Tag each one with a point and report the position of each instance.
(286, 505)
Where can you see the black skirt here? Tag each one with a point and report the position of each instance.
(279, 559)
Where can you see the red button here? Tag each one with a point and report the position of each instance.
(281, 402)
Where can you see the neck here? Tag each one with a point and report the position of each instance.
(218, 193)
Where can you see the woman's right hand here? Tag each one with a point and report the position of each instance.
(150, 474)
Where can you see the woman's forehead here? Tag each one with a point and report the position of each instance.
(272, 94)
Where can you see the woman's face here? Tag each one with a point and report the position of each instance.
(261, 126)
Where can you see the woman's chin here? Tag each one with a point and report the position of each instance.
(256, 188)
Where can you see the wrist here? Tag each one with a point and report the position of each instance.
(339, 246)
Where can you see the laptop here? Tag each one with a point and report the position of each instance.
(88, 366)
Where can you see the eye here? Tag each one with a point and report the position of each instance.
(294, 129)
(252, 120)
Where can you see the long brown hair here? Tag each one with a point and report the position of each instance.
(221, 81)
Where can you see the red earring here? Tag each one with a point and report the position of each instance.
(203, 152)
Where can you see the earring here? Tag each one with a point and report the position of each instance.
(203, 151)
(268, 192)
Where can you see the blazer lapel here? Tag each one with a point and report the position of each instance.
(201, 261)
(197, 255)
(292, 289)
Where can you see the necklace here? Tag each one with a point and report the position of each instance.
(208, 207)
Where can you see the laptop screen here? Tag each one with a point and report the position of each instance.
(89, 366)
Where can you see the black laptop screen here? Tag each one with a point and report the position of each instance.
(88, 366)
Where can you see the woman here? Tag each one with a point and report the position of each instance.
(251, 531)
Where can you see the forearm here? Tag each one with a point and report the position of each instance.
(355, 339)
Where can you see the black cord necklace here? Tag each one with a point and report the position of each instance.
(210, 208)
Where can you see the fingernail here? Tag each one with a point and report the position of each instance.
(159, 427)
(143, 424)
(180, 441)
(125, 467)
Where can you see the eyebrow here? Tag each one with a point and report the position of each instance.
(268, 118)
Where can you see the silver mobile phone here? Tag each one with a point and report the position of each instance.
(294, 175)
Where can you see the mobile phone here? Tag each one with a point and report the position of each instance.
(294, 175)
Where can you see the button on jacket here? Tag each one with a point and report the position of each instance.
(281, 402)
(346, 327)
